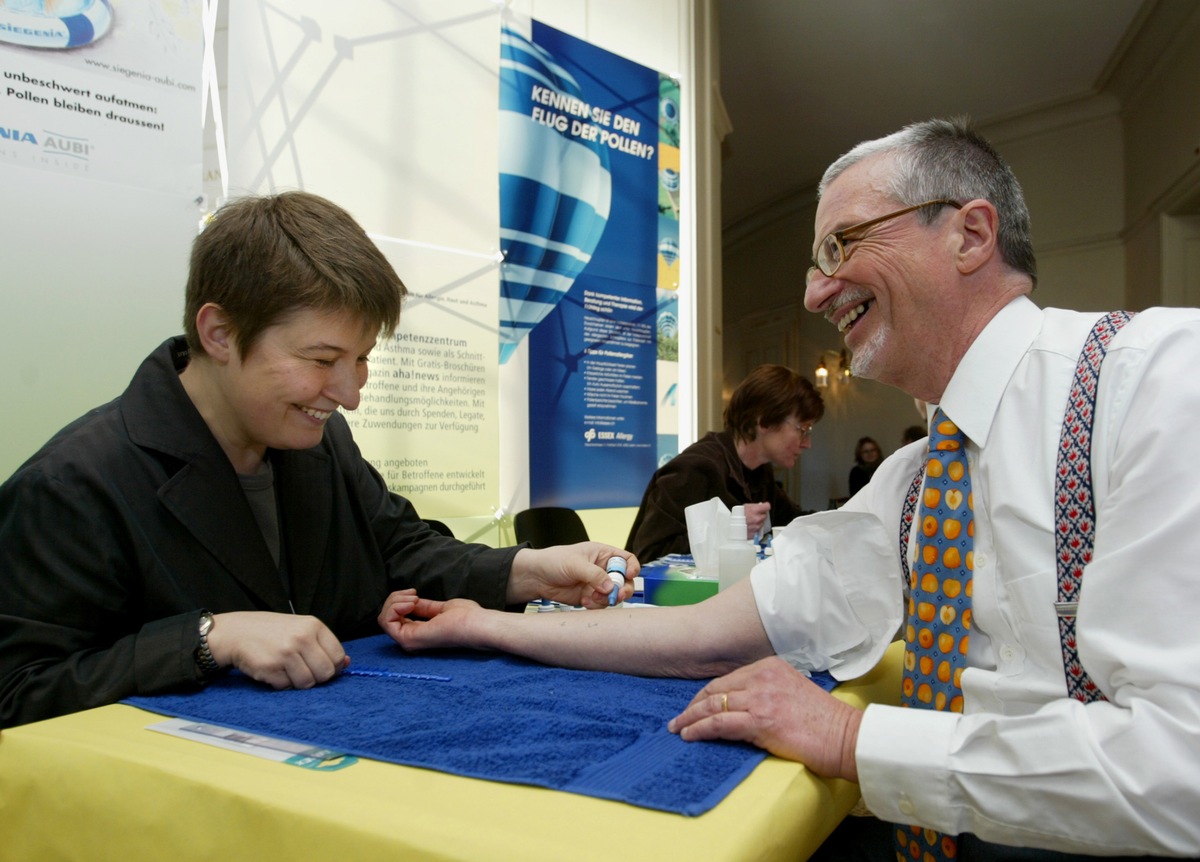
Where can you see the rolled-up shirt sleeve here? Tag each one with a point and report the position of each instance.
(831, 596)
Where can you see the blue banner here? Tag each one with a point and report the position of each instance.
(580, 204)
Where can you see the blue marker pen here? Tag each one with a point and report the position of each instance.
(616, 571)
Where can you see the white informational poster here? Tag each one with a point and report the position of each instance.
(100, 170)
(428, 420)
(103, 89)
(388, 109)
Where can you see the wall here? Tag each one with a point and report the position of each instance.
(1162, 144)
(1069, 161)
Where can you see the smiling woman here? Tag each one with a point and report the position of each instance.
(284, 303)
(280, 394)
(219, 512)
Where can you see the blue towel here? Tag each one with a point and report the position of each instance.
(491, 716)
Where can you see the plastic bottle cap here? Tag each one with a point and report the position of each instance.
(616, 570)
(737, 524)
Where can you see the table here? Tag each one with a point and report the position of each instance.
(97, 785)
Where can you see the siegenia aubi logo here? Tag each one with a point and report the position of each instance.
(54, 23)
(49, 143)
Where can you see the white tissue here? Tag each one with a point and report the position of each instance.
(707, 524)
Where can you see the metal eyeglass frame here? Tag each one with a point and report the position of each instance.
(833, 243)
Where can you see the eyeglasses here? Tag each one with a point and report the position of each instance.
(831, 253)
(805, 431)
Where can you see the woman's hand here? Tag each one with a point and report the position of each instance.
(756, 516)
(570, 574)
(281, 650)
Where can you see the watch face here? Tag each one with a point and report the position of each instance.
(206, 623)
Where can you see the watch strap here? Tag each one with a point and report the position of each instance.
(206, 665)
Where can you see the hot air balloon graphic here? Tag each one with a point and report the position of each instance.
(669, 249)
(555, 188)
(668, 111)
(667, 324)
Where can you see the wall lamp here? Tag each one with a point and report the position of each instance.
(843, 368)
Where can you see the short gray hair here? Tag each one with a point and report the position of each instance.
(946, 158)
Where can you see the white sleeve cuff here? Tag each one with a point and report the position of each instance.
(902, 758)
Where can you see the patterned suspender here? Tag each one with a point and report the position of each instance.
(1074, 509)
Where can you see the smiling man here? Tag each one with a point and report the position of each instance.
(218, 514)
(1051, 685)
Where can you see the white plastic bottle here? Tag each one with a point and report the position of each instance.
(737, 554)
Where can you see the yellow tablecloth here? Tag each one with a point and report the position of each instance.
(98, 786)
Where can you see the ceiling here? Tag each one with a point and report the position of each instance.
(805, 80)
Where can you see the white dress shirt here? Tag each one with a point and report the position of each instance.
(1024, 764)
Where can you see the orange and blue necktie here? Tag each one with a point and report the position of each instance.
(939, 604)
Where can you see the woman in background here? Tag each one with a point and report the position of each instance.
(768, 423)
(867, 456)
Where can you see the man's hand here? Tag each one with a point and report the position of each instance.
(442, 624)
(281, 650)
(570, 574)
(776, 707)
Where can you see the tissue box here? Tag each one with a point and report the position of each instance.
(673, 581)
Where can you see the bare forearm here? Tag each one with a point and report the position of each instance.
(694, 641)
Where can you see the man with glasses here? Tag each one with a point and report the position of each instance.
(768, 423)
(1075, 726)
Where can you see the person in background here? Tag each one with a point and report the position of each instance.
(867, 456)
(218, 513)
(924, 262)
(912, 434)
(768, 423)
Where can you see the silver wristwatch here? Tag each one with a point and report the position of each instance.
(206, 665)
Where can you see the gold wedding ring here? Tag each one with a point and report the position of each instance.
(724, 701)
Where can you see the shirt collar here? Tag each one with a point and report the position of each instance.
(974, 392)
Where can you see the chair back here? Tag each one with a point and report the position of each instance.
(543, 526)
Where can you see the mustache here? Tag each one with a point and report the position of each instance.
(846, 299)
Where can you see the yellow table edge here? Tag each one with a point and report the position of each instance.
(96, 785)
